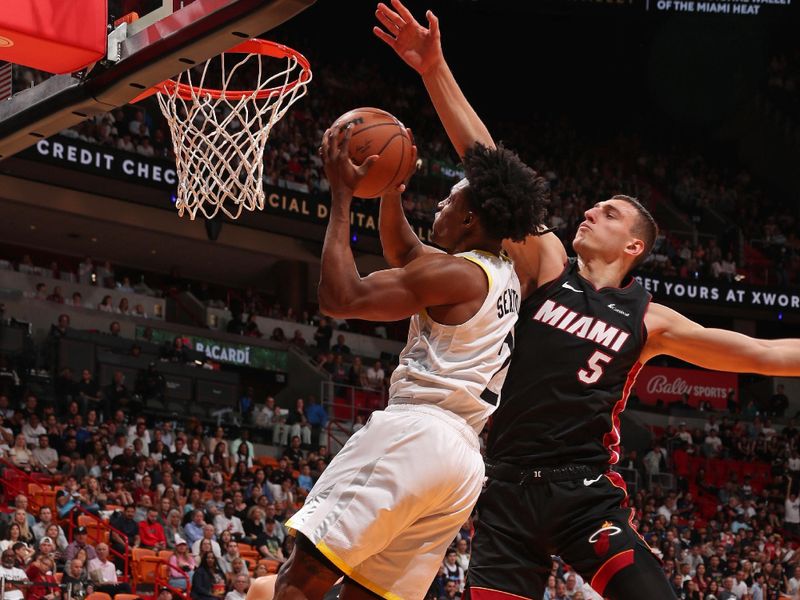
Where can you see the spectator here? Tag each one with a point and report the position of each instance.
(80, 543)
(57, 296)
(124, 523)
(298, 340)
(243, 439)
(85, 271)
(115, 329)
(240, 585)
(45, 456)
(116, 393)
(251, 327)
(450, 591)
(208, 535)
(12, 574)
(462, 554)
(42, 570)
(103, 573)
(176, 352)
(208, 582)
(453, 571)
(182, 565)
(151, 532)
(792, 510)
(194, 529)
(106, 304)
(78, 578)
(228, 521)
(712, 446)
(272, 540)
(323, 334)
(317, 418)
(172, 528)
(45, 521)
(264, 415)
(340, 347)
(298, 422)
(376, 376)
(20, 455)
(358, 374)
(88, 391)
(236, 325)
(32, 429)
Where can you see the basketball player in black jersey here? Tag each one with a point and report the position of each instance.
(586, 328)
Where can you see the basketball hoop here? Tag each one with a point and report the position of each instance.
(219, 135)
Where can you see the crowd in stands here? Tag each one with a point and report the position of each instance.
(217, 507)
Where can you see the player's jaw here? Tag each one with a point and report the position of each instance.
(447, 230)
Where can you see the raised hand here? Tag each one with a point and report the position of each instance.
(343, 175)
(418, 46)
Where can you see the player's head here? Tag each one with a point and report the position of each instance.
(500, 197)
(617, 229)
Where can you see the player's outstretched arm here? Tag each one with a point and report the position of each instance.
(385, 295)
(420, 47)
(670, 333)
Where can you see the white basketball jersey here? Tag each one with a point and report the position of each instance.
(461, 368)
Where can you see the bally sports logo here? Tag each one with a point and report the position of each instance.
(599, 539)
(669, 384)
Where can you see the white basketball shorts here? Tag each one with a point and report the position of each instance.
(393, 499)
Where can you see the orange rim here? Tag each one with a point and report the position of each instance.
(254, 46)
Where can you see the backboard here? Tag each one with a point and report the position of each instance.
(162, 39)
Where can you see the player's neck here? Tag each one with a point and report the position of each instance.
(471, 243)
(601, 274)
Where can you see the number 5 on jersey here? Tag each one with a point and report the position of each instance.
(595, 366)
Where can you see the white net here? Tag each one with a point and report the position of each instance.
(219, 138)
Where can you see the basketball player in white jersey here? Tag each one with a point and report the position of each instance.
(384, 511)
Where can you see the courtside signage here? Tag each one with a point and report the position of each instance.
(242, 355)
(669, 384)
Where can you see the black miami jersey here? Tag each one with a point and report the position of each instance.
(575, 360)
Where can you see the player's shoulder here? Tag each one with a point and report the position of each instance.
(449, 271)
(262, 588)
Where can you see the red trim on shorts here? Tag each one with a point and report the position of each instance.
(618, 482)
(612, 438)
(610, 568)
(482, 593)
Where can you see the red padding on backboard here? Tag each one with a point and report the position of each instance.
(58, 36)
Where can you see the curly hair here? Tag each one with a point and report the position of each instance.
(508, 196)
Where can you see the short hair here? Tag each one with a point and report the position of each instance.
(508, 196)
(646, 227)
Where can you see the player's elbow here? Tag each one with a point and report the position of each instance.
(332, 302)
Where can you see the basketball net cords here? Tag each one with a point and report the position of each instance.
(218, 169)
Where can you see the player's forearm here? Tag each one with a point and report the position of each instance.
(339, 277)
(397, 238)
(781, 358)
(462, 124)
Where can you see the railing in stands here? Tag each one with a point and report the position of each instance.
(94, 538)
(163, 582)
(346, 403)
(16, 481)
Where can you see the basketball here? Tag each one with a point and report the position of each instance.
(376, 131)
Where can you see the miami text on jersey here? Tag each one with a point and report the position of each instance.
(582, 326)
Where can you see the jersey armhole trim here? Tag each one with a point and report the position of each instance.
(483, 267)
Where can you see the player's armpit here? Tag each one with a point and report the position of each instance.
(394, 294)
(670, 333)
(538, 260)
